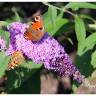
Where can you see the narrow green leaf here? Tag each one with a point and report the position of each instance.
(52, 12)
(48, 25)
(92, 26)
(80, 33)
(3, 23)
(57, 19)
(90, 40)
(93, 59)
(17, 17)
(86, 16)
(70, 40)
(81, 47)
(64, 28)
(80, 29)
(3, 63)
(1, 32)
(77, 5)
(5, 35)
(59, 23)
(61, 14)
(88, 44)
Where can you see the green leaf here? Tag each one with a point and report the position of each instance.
(65, 28)
(3, 63)
(57, 19)
(81, 47)
(92, 26)
(61, 14)
(80, 29)
(5, 35)
(17, 76)
(3, 23)
(88, 44)
(93, 59)
(77, 5)
(9, 20)
(1, 32)
(86, 16)
(80, 33)
(90, 41)
(17, 17)
(59, 23)
(53, 15)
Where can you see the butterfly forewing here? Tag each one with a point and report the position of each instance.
(36, 30)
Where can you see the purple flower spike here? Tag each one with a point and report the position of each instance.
(47, 51)
(2, 43)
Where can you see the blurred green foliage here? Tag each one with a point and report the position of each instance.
(3, 63)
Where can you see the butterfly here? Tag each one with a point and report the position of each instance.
(35, 31)
(16, 59)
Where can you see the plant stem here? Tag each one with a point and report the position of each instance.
(61, 9)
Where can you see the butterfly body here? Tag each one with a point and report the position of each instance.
(35, 31)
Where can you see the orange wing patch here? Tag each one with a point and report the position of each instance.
(35, 31)
(16, 59)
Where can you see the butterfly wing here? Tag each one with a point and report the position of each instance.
(17, 58)
(36, 30)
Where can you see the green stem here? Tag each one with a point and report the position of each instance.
(61, 9)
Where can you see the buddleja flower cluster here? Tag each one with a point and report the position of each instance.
(46, 51)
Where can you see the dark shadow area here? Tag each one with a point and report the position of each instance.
(25, 9)
(62, 90)
(23, 80)
(83, 63)
(30, 86)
